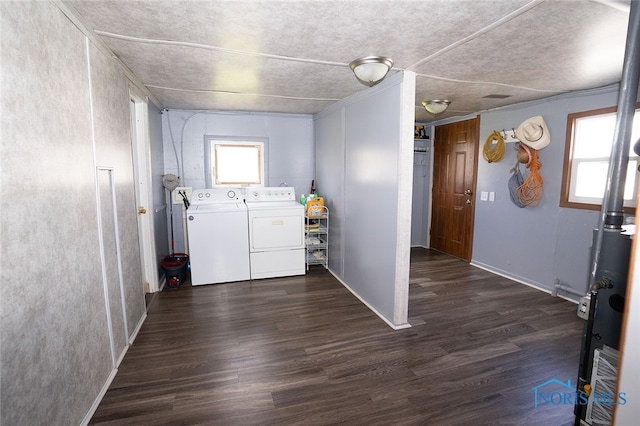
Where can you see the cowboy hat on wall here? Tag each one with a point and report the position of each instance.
(534, 133)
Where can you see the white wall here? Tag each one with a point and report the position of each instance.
(629, 368)
(330, 176)
(420, 211)
(289, 149)
(160, 234)
(535, 245)
(65, 110)
(364, 151)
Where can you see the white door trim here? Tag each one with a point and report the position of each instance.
(142, 173)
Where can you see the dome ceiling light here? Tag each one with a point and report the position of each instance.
(436, 106)
(371, 70)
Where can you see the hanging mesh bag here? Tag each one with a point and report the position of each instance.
(515, 181)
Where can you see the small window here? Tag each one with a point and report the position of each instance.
(587, 155)
(234, 163)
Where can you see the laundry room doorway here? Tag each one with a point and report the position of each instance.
(140, 144)
(455, 166)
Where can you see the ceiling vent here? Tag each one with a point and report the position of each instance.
(496, 96)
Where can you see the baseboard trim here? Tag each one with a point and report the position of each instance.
(517, 279)
(98, 400)
(575, 302)
(506, 274)
(162, 283)
(112, 375)
(133, 336)
(374, 310)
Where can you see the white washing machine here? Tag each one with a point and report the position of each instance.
(218, 236)
(276, 232)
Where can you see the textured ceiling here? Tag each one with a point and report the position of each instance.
(292, 56)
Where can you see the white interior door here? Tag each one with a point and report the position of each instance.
(142, 174)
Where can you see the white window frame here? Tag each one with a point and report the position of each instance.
(212, 146)
(569, 198)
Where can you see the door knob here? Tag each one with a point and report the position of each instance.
(142, 210)
(468, 192)
(468, 201)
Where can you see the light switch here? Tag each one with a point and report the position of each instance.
(492, 196)
(484, 195)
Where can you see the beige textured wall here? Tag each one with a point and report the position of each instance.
(110, 94)
(55, 351)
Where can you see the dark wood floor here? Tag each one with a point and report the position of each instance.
(304, 351)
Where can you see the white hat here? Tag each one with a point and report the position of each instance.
(534, 133)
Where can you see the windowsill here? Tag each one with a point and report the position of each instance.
(594, 207)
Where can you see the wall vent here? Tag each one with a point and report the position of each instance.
(603, 385)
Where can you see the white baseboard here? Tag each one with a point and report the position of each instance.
(576, 302)
(163, 281)
(112, 374)
(121, 357)
(512, 277)
(374, 310)
(137, 329)
(98, 400)
(515, 278)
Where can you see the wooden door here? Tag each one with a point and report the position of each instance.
(454, 176)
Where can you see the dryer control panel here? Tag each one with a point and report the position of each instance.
(276, 193)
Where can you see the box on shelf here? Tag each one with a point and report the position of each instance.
(315, 207)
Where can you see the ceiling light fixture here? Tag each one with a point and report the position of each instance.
(436, 106)
(371, 70)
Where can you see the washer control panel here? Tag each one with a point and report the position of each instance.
(217, 195)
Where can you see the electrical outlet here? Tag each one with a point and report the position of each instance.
(583, 307)
(176, 198)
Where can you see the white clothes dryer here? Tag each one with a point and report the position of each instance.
(218, 236)
(276, 232)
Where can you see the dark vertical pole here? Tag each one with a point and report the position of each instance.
(611, 214)
(626, 110)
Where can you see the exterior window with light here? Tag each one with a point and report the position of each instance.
(587, 155)
(234, 162)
